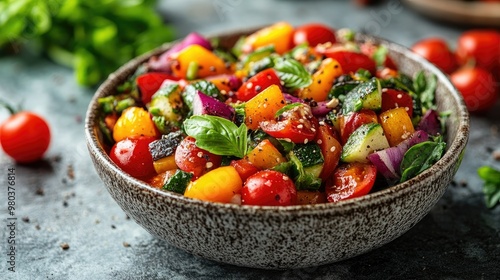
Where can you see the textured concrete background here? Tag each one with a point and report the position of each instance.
(62, 199)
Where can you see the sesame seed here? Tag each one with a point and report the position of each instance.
(249, 85)
(300, 126)
(306, 140)
(319, 142)
(332, 149)
(209, 164)
(399, 96)
(285, 178)
(199, 154)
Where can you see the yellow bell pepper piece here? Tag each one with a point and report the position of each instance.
(397, 125)
(218, 185)
(134, 121)
(279, 35)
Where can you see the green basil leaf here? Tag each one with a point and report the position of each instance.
(218, 135)
(380, 55)
(420, 82)
(420, 157)
(489, 174)
(427, 95)
(293, 74)
(492, 194)
(491, 187)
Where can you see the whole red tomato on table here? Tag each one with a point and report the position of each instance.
(24, 136)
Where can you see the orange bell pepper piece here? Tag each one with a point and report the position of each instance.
(397, 125)
(264, 106)
(265, 155)
(207, 62)
(323, 80)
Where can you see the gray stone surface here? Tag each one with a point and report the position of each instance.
(61, 199)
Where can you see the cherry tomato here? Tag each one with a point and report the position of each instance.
(149, 83)
(352, 61)
(353, 121)
(190, 158)
(392, 98)
(269, 188)
(369, 48)
(477, 86)
(132, 156)
(297, 124)
(483, 46)
(330, 149)
(436, 51)
(25, 137)
(351, 180)
(244, 168)
(257, 83)
(313, 34)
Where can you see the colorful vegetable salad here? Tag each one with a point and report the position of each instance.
(287, 116)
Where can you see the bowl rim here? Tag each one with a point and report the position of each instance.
(453, 153)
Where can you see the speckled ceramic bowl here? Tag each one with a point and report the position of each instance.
(285, 237)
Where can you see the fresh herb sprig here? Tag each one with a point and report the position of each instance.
(218, 135)
(420, 157)
(491, 187)
(93, 37)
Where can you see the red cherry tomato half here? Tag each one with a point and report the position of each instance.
(25, 137)
(436, 51)
(483, 46)
(257, 83)
(477, 87)
(297, 124)
(149, 83)
(353, 121)
(244, 168)
(351, 180)
(330, 149)
(190, 158)
(269, 188)
(313, 34)
(132, 156)
(351, 62)
(392, 98)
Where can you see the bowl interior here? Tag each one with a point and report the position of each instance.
(447, 99)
